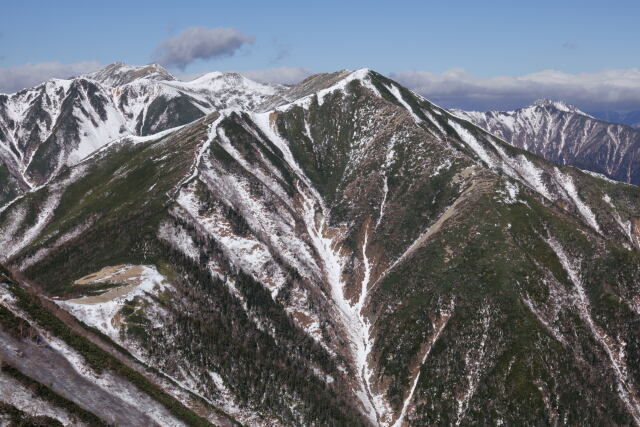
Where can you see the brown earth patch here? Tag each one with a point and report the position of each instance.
(635, 226)
(107, 296)
(128, 275)
(302, 319)
(98, 275)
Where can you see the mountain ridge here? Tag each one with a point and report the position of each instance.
(406, 266)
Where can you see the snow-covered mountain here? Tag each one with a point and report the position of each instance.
(344, 252)
(60, 122)
(562, 133)
(119, 74)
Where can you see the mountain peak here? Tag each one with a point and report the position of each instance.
(119, 73)
(558, 105)
(218, 81)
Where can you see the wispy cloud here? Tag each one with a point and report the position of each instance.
(200, 43)
(19, 77)
(282, 75)
(610, 89)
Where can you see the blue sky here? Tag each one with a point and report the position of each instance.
(486, 39)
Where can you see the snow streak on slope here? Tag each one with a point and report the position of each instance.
(396, 93)
(61, 240)
(16, 233)
(472, 142)
(569, 187)
(16, 244)
(367, 271)
(553, 330)
(625, 226)
(614, 349)
(385, 179)
(382, 408)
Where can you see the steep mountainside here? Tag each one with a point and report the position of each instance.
(563, 134)
(347, 253)
(57, 124)
(53, 372)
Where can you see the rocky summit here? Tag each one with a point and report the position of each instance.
(337, 252)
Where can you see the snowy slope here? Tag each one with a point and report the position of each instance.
(563, 134)
(119, 73)
(60, 122)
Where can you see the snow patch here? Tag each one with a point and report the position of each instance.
(566, 181)
(396, 93)
(472, 143)
(100, 314)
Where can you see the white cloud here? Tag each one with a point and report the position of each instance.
(282, 75)
(609, 89)
(18, 77)
(200, 43)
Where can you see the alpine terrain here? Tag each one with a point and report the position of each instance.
(563, 134)
(336, 252)
(60, 122)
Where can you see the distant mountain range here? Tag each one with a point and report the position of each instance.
(60, 122)
(562, 133)
(629, 118)
(337, 252)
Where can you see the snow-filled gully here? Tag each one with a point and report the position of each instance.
(350, 314)
(385, 192)
(351, 319)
